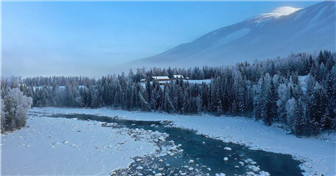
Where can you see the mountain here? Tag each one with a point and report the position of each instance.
(278, 33)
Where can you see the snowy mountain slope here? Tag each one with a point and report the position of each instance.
(278, 33)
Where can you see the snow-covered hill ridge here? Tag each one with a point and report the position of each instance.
(279, 33)
(286, 10)
(276, 13)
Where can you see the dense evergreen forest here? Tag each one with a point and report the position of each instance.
(298, 91)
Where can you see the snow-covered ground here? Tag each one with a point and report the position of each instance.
(190, 81)
(59, 146)
(317, 153)
(206, 81)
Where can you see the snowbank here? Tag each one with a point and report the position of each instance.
(318, 155)
(59, 146)
(206, 81)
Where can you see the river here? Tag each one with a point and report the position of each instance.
(196, 154)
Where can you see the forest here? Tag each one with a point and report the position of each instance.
(298, 91)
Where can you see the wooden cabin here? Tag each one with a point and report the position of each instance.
(161, 79)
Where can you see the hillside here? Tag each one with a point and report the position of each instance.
(278, 33)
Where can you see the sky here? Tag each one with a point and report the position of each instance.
(93, 38)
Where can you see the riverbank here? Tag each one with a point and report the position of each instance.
(318, 155)
(60, 146)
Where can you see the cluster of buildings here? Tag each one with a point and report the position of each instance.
(164, 79)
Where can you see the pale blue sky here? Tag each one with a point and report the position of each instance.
(89, 38)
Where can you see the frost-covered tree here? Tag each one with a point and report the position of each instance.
(268, 100)
(15, 108)
(290, 112)
(299, 126)
(2, 115)
(284, 96)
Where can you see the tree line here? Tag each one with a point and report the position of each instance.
(298, 91)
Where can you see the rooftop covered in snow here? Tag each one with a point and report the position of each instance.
(161, 77)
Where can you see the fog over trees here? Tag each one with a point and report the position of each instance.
(298, 91)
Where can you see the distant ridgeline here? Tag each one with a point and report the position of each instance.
(298, 91)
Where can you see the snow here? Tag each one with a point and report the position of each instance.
(278, 33)
(206, 81)
(178, 76)
(37, 87)
(318, 154)
(59, 146)
(163, 82)
(227, 148)
(276, 13)
(160, 77)
(282, 11)
(233, 36)
(58, 87)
